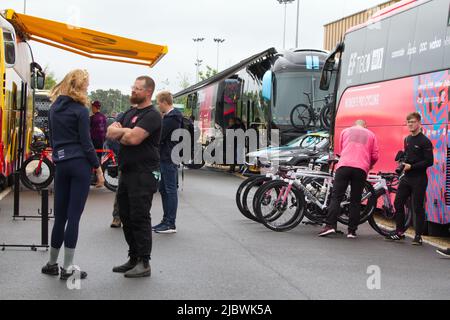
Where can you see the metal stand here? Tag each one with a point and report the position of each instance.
(44, 216)
(16, 214)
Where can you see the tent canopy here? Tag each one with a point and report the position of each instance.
(88, 43)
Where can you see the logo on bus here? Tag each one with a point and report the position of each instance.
(365, 63)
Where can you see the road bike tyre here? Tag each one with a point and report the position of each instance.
(307, 118)
(46, 164)
(247, 203)
(367, 209)
(111, 177)
(260, 198)
(381, 229)
(312, 212)
(325, 116)
(296, 218)
(239, 194)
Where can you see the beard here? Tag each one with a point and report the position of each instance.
(136, 99)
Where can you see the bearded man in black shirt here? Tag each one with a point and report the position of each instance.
(418, 158)
(139, 132)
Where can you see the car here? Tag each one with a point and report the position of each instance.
(300, 151)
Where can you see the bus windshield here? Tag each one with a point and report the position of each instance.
(289, 89)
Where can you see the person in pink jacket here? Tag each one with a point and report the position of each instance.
(359, 153)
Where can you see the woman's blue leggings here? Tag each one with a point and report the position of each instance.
(72, 184)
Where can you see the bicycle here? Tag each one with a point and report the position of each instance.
(38, 171)
(306, 193)
(385, 187)
(304, 116)
(246, 191)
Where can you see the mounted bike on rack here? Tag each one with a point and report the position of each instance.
(38, 171)
(304, 117)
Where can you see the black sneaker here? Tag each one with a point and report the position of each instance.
(165, 229)
(130, 264)
(51, 270)
(417, 241)
(158, 225)
(351, 235)
(395, 237)
(66, 275)
(327, 231)
(444, 253)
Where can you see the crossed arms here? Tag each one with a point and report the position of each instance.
(126, 136)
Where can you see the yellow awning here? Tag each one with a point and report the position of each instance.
(88, 43)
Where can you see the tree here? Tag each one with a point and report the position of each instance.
(208, 74)
(184, 80)
(111, 100)
(50, 79)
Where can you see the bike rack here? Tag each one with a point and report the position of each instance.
(16, 210)
(44, 216)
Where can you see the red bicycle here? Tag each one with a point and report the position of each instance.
(38, 171)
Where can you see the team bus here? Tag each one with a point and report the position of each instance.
(261, 91)
(294, 75)
(397, 63)
(20, 75)
(18, 72)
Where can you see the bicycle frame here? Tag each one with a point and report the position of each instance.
(328, 182)
(108, 155)
(46, 153)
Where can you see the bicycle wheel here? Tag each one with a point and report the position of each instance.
(288, 206)
(37, 177)
(265, 200)
(325, 117)
(111, 175)
(368, 205)
(249, 194)
(239, 194)
(312, 212)
(383, 220)
(302, 117)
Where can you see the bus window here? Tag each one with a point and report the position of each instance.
(10, 50)
(400, 45)
(289, 93)
(371, 63)
(430, 38)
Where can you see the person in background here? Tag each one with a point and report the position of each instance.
(115, 147)
(172, 120)
(98, 126)
(233, 124)
(74, 157)
(418, 158)
(359, 153)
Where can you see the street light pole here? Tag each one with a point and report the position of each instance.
(198, 61)
(298, 18)
(219, 41)
(24, 6)
(285, 2)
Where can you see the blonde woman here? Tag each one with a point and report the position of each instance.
(74, 156)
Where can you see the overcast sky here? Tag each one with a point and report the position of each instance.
(249, 26)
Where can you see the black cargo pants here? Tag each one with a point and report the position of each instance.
(135, 196)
